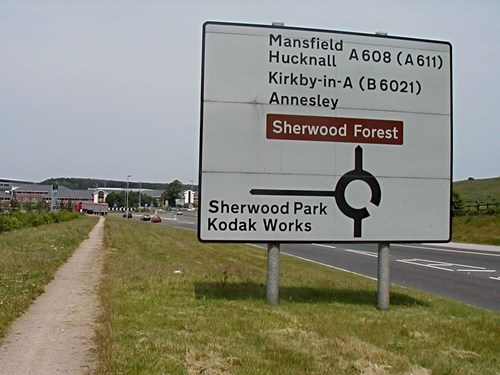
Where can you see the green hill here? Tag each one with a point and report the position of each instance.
(478, 191)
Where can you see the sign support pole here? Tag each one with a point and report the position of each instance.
(273, 273)
(383, 294)
(273, 256)
(383, 276)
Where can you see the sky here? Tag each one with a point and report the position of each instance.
(111, 88)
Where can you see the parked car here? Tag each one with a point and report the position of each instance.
(145, 217)
(156, 219)
(128, 215)
(178, 212)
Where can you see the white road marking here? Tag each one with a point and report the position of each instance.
(478, 252)
(368, 253)
(445, 266)
(427, 263)
(478, 270)
(319, 263)
(323, 245)
(330, 266)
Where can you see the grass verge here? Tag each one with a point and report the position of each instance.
(29, 258)
(175, 306)
(479, 229)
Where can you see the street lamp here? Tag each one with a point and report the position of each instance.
(126, 193)
(140, 189)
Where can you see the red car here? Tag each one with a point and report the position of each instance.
(155, 219)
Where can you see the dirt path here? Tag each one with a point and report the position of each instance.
(55, 335)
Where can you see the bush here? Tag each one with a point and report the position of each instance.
(23, 220)
(10, 223)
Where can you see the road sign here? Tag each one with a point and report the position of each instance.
(316, 135)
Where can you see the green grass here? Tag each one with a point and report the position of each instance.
(175, 306)
(479, 229)
(28, 260)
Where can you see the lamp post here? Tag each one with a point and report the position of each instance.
(126, 193)
(140, 189)
(191, 195)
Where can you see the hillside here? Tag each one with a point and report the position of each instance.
(478, 191)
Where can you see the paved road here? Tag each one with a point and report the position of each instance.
(468, 273)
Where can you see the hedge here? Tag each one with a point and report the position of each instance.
(23, 220)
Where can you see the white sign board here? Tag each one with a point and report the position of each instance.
(314, 135)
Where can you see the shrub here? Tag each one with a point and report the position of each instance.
(32, 219)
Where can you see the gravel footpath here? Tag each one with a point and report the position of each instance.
(55, 335)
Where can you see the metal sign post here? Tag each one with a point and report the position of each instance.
(383, 276)
(273, 273)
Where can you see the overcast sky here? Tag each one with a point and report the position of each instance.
(110, 88)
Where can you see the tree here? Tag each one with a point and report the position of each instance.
(120, 199)
(146, 200)
(116, 199)
(173, 192)
(457, 206)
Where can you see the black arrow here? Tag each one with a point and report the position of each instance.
(357, 214)
(301, 193)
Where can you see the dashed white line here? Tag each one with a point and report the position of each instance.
(479, 270)
(320, 263)
(368, 253)
(478, 252)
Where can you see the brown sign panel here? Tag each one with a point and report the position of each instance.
(333, 129)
